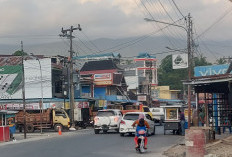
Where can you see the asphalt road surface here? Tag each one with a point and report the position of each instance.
(86, 144)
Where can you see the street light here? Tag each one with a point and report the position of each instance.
(188, 31)
(174, 50)
(41, 86)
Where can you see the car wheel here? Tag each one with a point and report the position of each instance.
(122, 134)
(153, 133)
(96, 131)
(160, 122)
(104, 131)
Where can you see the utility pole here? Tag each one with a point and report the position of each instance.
(23, 93)
(70, 37)
(229, 58)
(189, 46)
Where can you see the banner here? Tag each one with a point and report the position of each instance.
(210, 70)
(38, 73)
(180, 61)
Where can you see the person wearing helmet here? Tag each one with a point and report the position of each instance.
(141, 116)
(141, 125)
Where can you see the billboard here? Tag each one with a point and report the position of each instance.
(103, 79)
(11, 80)
(210, 70)
(33, 79)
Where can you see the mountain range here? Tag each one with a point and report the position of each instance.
(127, 47)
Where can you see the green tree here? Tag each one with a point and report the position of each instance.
(201, 61)
(221, 61)
(19, 53)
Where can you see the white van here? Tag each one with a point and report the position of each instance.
(158, 114)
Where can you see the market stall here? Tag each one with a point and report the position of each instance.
(171, 118)
(7, 125)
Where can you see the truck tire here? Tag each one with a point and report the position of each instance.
(20, 128)
(30, 128)
(56, 127)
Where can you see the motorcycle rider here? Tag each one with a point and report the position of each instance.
(141, 125)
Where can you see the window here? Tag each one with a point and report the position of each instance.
(148, 64)
(105, 113)
(146, 109)
(131, 117)
(148, 117)
(60, 113)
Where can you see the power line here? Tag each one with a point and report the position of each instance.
(217, 21)
(178, 8)
(149, 13)
(91, 41)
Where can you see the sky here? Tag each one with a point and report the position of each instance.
(40, 21)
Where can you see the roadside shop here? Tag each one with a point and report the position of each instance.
(214, 97)
(7, 125)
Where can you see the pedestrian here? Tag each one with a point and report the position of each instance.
(182, 123)
(227, 124)
(201, 118)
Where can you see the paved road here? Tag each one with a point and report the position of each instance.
(87, 144)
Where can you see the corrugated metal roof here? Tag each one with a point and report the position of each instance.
(210, 79)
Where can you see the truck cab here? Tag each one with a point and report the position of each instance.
(60, 119)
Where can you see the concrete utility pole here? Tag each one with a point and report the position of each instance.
(70, 37)
(189, 47)
(23, 93)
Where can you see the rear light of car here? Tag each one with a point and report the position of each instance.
(122, 122)
(116, 119)
(96, 119)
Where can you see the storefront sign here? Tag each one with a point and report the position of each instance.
(210, 70)
(142, 98)
(103, 82)
(100, 77)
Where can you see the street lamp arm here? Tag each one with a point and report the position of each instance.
(172, 24)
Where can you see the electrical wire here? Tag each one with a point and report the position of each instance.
(90, 41)
(178, 8)
(149, 13)
(216, 22)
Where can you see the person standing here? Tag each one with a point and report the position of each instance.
(201, 118)
(182, 123)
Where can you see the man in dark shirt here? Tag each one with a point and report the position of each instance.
(182, 123)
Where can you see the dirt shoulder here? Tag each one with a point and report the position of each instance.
(217, 148)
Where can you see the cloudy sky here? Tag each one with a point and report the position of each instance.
(36, 21)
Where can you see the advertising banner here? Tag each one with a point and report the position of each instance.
(33, 70)
(11, 80)
(180, 61)
(103, 79)
(210, 70)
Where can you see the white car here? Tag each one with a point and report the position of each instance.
(130, 117)
(158, 114)
(107, 120)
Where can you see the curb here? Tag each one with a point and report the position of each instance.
(37, 137)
